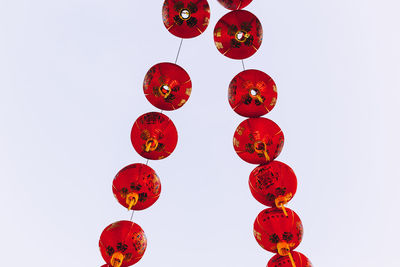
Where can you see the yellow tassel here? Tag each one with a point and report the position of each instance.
(291, 259)
(132, 199)
(151, 144)
(266, 155)
(117, 259)
(284, 210)
(284, 250)
(148, 146)
(281, 201)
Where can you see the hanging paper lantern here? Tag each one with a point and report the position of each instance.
(238, 34)
(258, 140)
(284, 261)
(273, 184)
(252, 93)
(154, 136)
(167, 86)
(235, 4)
(122, 244)
(136, 186)
(186, 18)
(276, 232)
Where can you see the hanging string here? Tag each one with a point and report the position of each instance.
(179, 51)
(161, 111)
(130, 229)
(243, 65)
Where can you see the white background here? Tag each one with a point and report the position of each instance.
(71, 74)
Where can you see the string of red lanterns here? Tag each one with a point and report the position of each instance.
(166, 86)
(257, 140)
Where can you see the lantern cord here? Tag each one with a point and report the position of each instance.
(130, 229)
(179, 51)
(131, 219)
(243, 65)
(147, 161)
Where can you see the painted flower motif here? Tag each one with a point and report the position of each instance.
(274, 238)
(122, 247)
(287, 236)
(270, 197)
(247, 100)
(280, 191)
(110, 250)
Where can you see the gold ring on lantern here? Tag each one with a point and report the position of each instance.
(117, 259)
(151, 144)
(185, 14)
(165, 90)
(241, 36)
(254, 93)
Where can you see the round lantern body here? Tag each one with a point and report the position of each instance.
(272, 229)
(258, 140)
(238, 34)
(154, 136)
(235, 4)
(273, 183)
(122, 241)
(252, 93)
(167, 86)
(284, 261)
(186, 18)
(136, 186)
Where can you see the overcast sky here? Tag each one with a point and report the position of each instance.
(71, 74)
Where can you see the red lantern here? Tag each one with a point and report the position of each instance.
(276, 232)
(154, 136)
(122, 244)
(235, 4)
(273, 184)
(284, 261)
(258, 140)
(136, 186)
(186, 18)
(238, 34)
(167, 86)
(252, 93)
